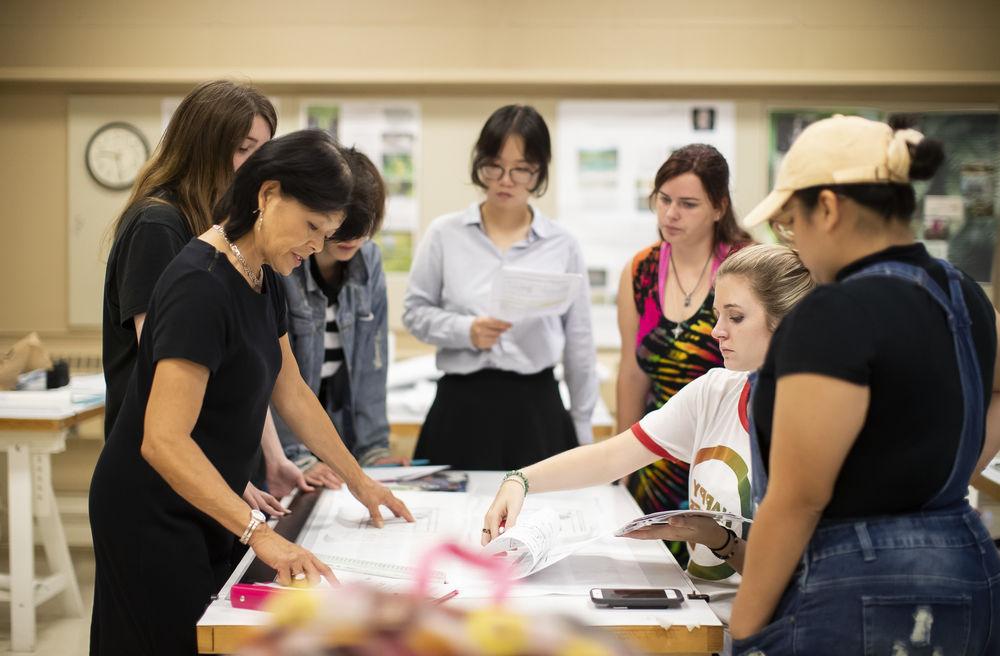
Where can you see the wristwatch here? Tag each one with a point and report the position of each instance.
(256, 519)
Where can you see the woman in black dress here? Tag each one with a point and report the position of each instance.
(165, 497)
(213, 131)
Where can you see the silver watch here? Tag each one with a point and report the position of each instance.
(256, 519)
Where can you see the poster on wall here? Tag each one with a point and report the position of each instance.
(956, 211)
(606, 158)
(389, 134)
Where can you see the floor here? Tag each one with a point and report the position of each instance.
(57, 634)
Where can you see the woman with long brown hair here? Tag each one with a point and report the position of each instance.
(665, 305)
(214, 130)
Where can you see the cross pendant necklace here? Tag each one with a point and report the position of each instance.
(679, 328)
(677, 277)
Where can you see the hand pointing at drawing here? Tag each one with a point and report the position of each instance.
(372, 495)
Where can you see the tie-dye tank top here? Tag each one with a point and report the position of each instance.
(671, 363)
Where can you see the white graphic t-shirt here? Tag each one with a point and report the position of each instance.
(705, 424)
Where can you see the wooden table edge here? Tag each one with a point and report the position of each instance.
(225, 639)
(43, 424)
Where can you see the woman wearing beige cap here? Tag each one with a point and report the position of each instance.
(875, 405)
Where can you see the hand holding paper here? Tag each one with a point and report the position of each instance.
(687, 528)
(536, 542)
(485, 332)
(668, 517)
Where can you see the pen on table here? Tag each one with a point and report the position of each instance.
(696, 593)
(445, 597)
(413, 463)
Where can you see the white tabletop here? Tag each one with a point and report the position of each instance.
(636, 563)
(82, 394)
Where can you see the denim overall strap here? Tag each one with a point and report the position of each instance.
(758, 475)
(973, 422)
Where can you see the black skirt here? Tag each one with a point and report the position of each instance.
(495, 420)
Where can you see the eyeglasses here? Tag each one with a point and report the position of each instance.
(518, 174)
(782, 229)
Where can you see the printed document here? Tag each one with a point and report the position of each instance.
(520, 294)
(534, 543)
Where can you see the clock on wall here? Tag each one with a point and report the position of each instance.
(115, 153)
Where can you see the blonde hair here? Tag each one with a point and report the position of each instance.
(776, 275)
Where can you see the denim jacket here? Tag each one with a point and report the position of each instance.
(363, 323)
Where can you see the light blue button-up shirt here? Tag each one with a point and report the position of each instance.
(450, 283)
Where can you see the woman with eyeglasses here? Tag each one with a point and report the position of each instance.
(876, 403)
(665, 307)
(498, 404)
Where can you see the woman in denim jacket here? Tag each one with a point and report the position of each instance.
(338, 324)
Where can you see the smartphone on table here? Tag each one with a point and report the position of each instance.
(636, 597)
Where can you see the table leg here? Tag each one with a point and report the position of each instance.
(22, 549)
(53, 537)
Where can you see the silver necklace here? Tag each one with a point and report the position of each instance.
(255, 278)
(677, 277)
(679, 328)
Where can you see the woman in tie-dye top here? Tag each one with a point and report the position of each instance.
(665, 306)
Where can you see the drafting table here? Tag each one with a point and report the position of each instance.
(690, 629)
(30, 434)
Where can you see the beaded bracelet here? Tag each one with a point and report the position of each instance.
(516, 474)
(731, 539)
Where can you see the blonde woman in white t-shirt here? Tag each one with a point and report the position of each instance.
(705, 424)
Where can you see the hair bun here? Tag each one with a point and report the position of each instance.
(901, 121)
(925, 158)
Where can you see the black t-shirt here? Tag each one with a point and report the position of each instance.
(891, 336)
(202, 310)
(155, 233)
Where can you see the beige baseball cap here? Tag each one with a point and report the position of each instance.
(839, 150)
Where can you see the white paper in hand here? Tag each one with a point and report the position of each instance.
(536, 542)
(520, 294)
(728, 520)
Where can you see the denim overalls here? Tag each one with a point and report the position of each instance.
(921, 583)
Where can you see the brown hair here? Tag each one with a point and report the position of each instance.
(712, 169)
(776, 275)
(193, 163)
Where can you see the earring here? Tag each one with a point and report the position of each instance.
(260, 219)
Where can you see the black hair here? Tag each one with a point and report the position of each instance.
(894, 200)
(525, 122)
(367, 205)
(310, 168)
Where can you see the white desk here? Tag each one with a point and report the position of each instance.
(30, 435)
(690, 629)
